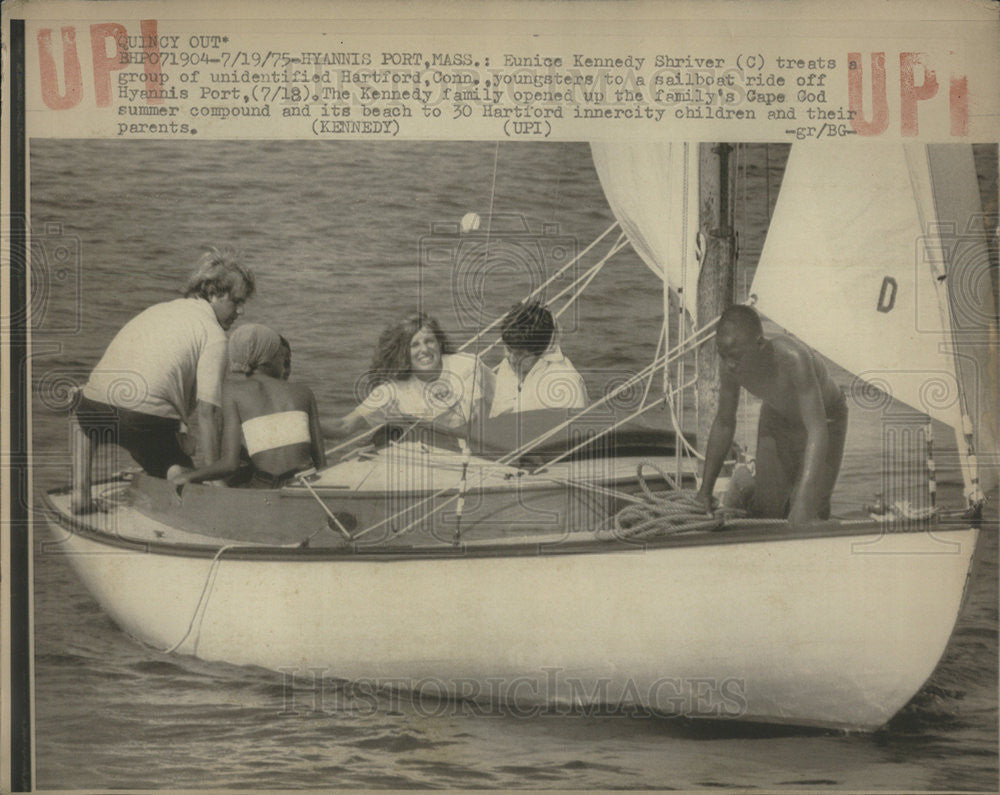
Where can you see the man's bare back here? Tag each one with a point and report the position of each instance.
(770, 379)
(803, 422)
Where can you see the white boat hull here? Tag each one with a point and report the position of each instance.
(839, 629)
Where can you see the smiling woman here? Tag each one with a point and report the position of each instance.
(414, 376)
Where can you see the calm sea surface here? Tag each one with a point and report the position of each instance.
(340, 235)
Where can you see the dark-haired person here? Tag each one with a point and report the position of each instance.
(286, 364)
(414, 376)
(166, 363)
(245, 470)
(534, 373)
(276, 420)
(803, 420)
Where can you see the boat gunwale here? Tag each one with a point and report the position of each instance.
(545, 482)
(251, 551)
(528, 479)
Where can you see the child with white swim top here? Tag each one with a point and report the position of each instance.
(275, 419)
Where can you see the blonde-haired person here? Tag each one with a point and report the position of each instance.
(276, 419)
(165, 364)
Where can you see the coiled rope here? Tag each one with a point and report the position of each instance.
(673, 510)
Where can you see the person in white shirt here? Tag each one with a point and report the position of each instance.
(534, 374)
(165, 364)
(415, 377)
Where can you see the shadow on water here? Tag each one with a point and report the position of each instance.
(350, 698)
(711, 729)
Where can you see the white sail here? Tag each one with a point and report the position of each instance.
(843, 269)
(653, 191)
(867, 254)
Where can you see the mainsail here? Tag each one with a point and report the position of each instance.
(864, 246)
(653, 191)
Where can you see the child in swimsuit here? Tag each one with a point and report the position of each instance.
(277, 420)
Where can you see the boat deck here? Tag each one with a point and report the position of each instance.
(119, 523)
(118, 519)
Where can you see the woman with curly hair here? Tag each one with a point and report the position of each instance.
(415, 376)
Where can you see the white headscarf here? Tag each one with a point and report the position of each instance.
(252, 345)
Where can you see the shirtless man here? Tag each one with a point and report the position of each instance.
(803, 422)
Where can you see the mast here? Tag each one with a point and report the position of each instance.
(961, 264)
(717, 280)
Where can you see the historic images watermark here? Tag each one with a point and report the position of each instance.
(549, 693)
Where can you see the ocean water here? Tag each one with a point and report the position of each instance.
(342, 238)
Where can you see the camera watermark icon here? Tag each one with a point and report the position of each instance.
(495, 259)
(960, 401)
(54, 302)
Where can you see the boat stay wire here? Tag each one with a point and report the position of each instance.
(466, 447)
(699, 336)
(471, 341)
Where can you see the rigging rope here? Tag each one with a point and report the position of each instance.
(466, 443)
(659, 346)
(587, 275)
(541, 287)
(585, 278)
(202, 604)
(696, 338)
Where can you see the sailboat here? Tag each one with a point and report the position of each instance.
(507, 575)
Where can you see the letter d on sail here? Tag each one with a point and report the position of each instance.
(887, 295)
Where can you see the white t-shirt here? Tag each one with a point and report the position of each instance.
(155, 364)
(449, 400)
(552, 383)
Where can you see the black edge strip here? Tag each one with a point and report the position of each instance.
(20, 547)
